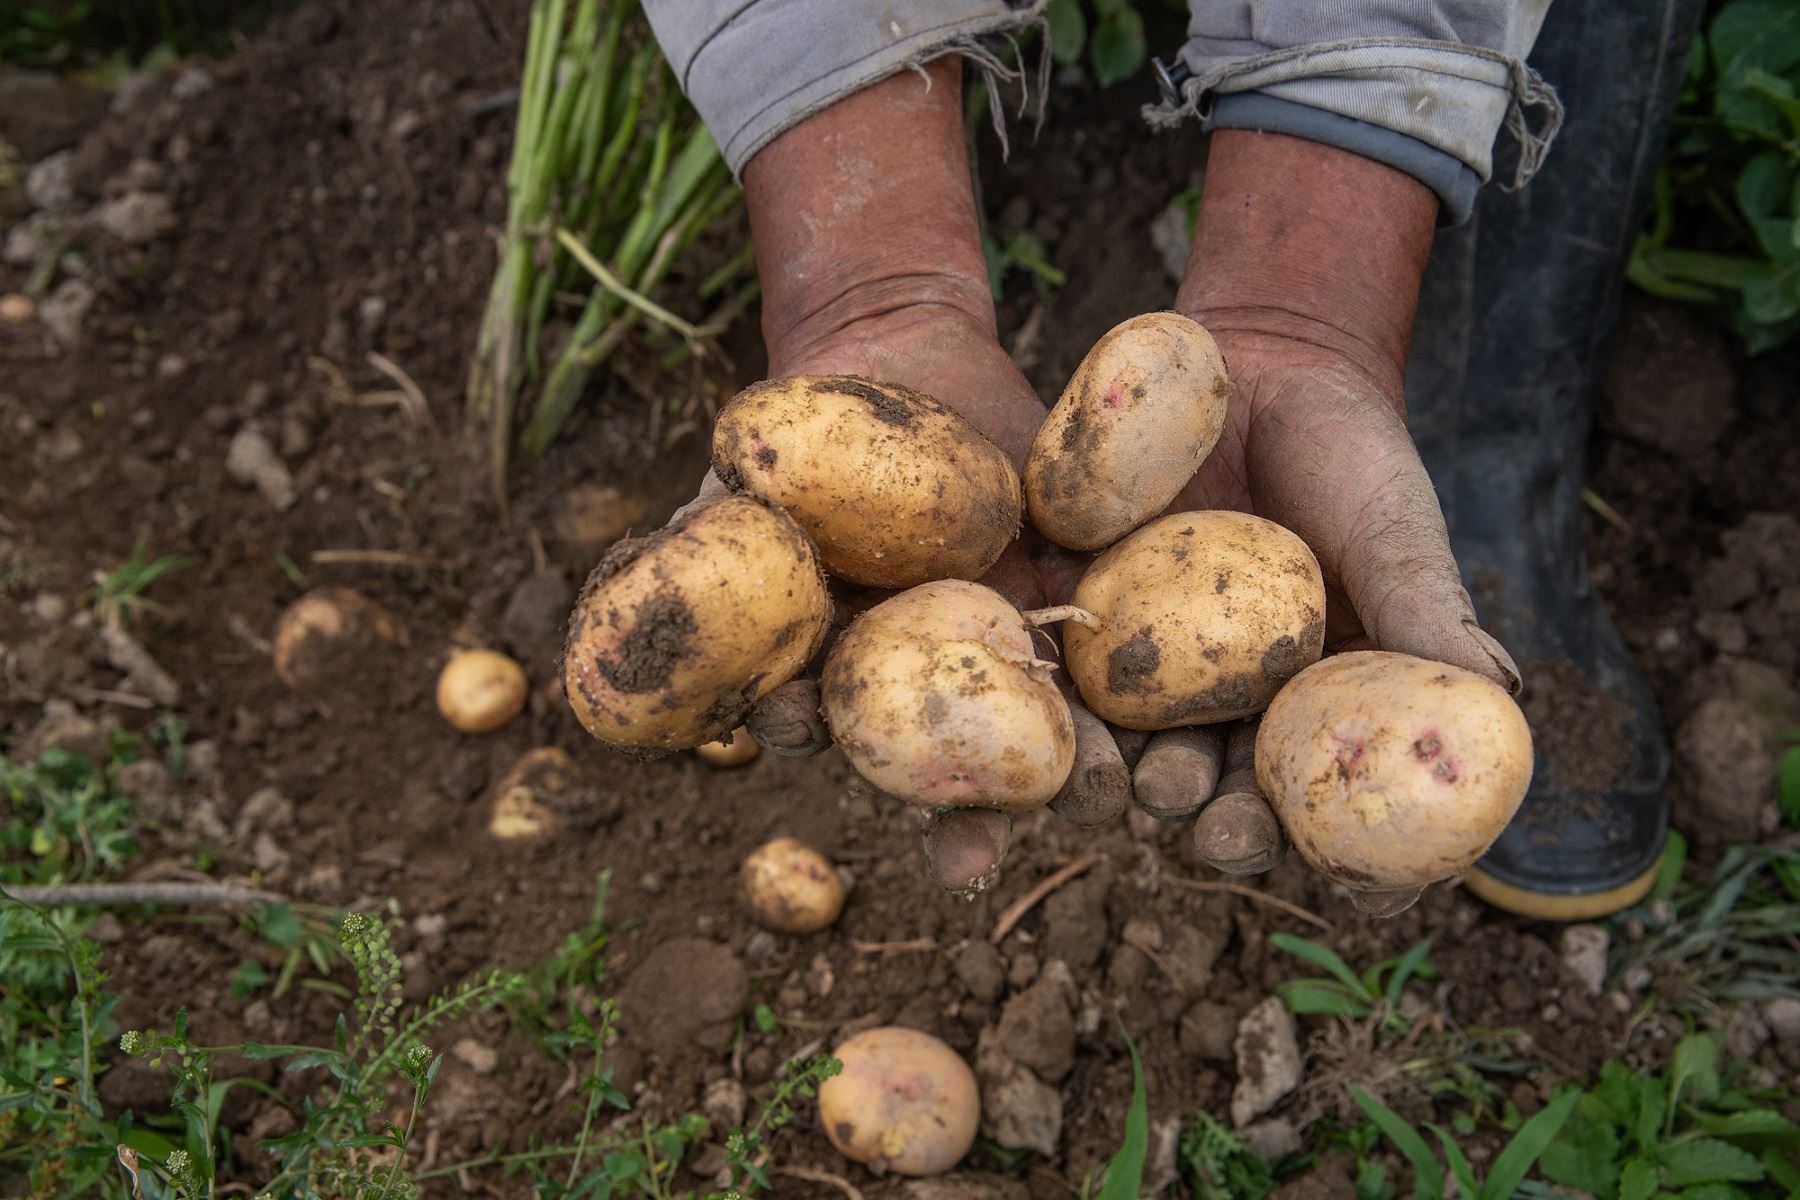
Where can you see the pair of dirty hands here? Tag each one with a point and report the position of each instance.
(1305, 269)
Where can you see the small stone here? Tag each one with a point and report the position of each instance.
(1143, 933)
(265, 809)
(1667, 640)
(1037, 1026)
(137, 217)
(1782, 1015)
(64, 310)
(252, 461)
(652, 883)
(981, 969)
(1745, 1032)
(49, 608)
(820, 978)
(1162, 1161)
(50, 184)
(193, 81)
(762, 947)
(1268, 1060)
(1018, 1110)
(1637, 979)
(269, 855)
(1726, 761)
(370, 314)
(31, 240)
(1207, 1031)
(430, 925)
(1550, 1014)
(1273, 1138)
(724, 1105)
(1023, 968)
(477, 1056)
(1191, 955)
(296, 437)
(1172, 234)
(1584, 956)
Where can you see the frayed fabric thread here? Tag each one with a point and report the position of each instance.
(1034, 89)
(1527, 89)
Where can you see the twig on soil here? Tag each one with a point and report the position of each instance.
(379, 558)
(1156, 959)
(814, 1175)
(1030, 900)
(1250, 893)
(416, 407)
(885, 948)
(106, 696)
(109, 895)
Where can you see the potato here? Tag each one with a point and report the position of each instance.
(533, 797)
(904, 1102)
(740, 751)
(1140, 414)
(16, 308)
(478, 691)
(326, 629)
(1390, 771)
(790, 887)
(895, 488)
(1203, 616)
(676, 635)
(936, 696)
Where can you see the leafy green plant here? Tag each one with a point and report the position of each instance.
(1685, 1132)
(1217, 1164)
(1110, 31)
(747, 1150)
(612, 179)
(1787, 782)
(1510, 1166)
(1375, 993)
(1122, 1177)
(1725, 224)
(1021, 250)
(65, 820)
(118, 595)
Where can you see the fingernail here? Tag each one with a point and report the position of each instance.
(1388, 903)
(1515, 682)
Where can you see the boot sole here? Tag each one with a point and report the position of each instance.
(1553, 906)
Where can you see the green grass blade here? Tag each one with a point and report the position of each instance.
(1322, 957)
(1428, 1180)
(1125, 1173)
(1460, 1170)
(1411, 964)
(1527, 1146)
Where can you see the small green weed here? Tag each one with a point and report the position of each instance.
(1787, 782)
(1510, 1166)
(1122, 1177)
(118, 595)
(1686, 1132)
(1725, 223)
(1111, 31)
(1373, 994)
(1021, 250)
(1217, 1164)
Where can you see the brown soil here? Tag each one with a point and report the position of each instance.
(337, 186)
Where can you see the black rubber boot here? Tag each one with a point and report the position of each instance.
(1517, 309)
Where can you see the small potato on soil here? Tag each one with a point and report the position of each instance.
(1390, 772)
(937, 696)
(532, 797)
(904, 1102)
(1141, 413)
(478, 691)
(676, 635)
(324, 630)
(895, 487)
(1203, 616)
(790, 887)
(740, 751)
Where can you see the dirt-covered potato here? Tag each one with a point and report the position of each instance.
(790, 887)
(740, 751)
(677, 634)
(326, 630)
(1203, 616)
(1390, 771)
(1140, 414)
(904, 1102)
(895, 488)
(478, 691)
(534, 797)
(936, 696)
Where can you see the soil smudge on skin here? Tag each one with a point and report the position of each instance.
(659, 640)
(889, 407)
(1132, 665)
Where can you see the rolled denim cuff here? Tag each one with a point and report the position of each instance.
(754, 68)
(1451, 97)
(1453, 180)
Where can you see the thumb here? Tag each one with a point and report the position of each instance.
(1343, 474)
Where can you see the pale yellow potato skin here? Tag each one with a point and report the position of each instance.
(676, 635)
(741, 751)
(1204, 616)
(1140, 414)
(937, 696)
(322, 615)
(895, 487)
(904, 1102)
(1390, 771)
(478, 691)
(790, 887)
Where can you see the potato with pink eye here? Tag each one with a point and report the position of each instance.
(904, 1102)
(790, 887)
(937, 696)
(1390, 771)
(1140, 414)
